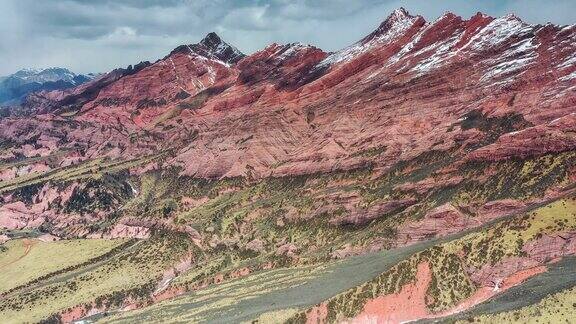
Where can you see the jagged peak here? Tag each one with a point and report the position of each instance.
(212, 47)
(281, 52)
(291, 49)
(479, 17)
(448, 15)
(508, 23)
(396, 23)
(480, 14)
(399, 13)
(298, 45)
(399, 16)
(392, 28)
(498, 31)
(511, 16)
(212, 40)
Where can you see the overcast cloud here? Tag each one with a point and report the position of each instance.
(99, 35)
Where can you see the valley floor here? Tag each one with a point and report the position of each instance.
(72, 270)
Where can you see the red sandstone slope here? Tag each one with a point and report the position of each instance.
(403, 87)
(409, 87)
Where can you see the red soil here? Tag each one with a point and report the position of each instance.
(406, 305)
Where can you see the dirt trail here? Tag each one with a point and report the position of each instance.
(28, 245)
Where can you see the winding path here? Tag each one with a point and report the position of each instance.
(28, 247)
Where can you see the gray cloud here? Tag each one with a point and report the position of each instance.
(89, 35)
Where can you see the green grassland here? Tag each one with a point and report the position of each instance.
(17, 266)
(209, 303)
(133, 271)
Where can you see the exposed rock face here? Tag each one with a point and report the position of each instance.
(48, 238)
(492, 275)
(392, 308)
(498, 208)
(123, 231)
(17, 216)
(316, 111)
(362, 216)
(255, 245)
(288, 249)
(441, 221)
(428, 184)
(547, 248)
(553, 137)
(212, 46)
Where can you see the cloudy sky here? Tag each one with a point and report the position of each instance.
(99, 35)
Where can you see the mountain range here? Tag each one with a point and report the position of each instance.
(15, 87)
(425, 172)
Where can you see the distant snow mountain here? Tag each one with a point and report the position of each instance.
(15, 87)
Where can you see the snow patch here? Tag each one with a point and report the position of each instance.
(568, 77)
(512, 61)
(292, 50)
(408, 47)
(570, 62)
(442, 53)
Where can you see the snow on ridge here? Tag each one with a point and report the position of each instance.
(193, 55)
(569, 62)
(408, 47)
(442, 52)
(569, 77)
(442, 48)
(561, 118)
(400, 23)
(513, 60)
(222, 47)
(51, 74)
(498, 31)
(288, 50)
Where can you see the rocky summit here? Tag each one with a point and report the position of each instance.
(426, 172)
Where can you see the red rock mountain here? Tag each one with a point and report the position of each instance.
(402, 87)
(409, 87)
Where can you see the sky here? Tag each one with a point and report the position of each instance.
(100, 35)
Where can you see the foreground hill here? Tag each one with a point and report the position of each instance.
(436, 158)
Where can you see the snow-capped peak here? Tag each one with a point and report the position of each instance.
(290, 50)
(47, 75)
(212, 47)
(216, 45)
(399, 13)
(15, 87)
(397, 23)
